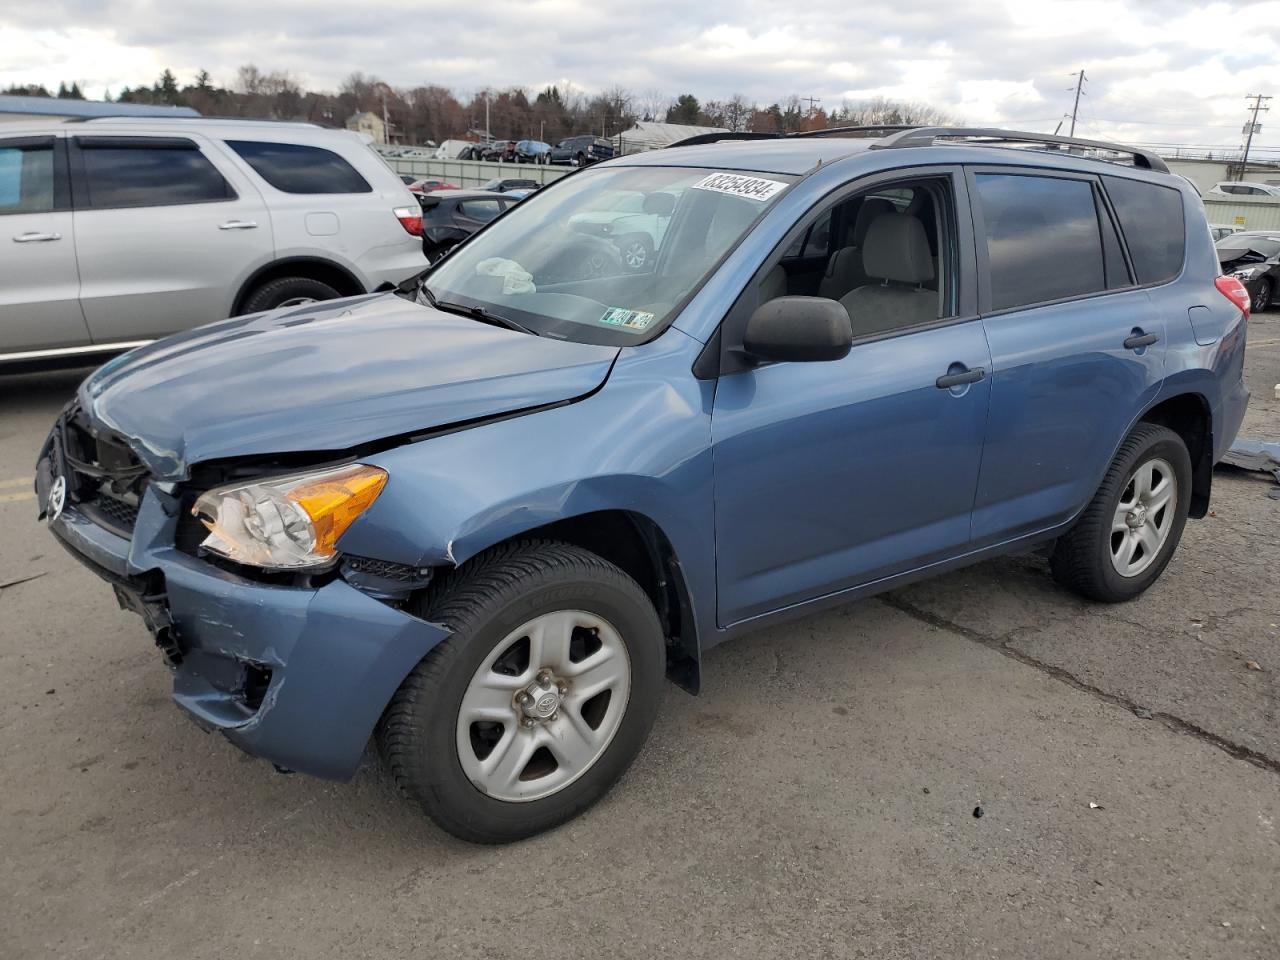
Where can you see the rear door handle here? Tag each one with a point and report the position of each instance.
(36, 237)
(949, 380)
(1139, 340)
(238, 225)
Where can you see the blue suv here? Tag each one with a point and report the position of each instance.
(478, 519)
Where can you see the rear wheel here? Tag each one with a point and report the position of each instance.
(539, 700)
(288, 292)
(1126, 536)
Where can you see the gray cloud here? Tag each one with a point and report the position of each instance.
(1160, 70)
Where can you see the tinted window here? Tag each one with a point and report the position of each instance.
(294, 168)
(123, 172)
(1113, 257)
(1042, 238)
(484, 210)
(1153, 224)
(26, 179)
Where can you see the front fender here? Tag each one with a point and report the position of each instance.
(640, 444)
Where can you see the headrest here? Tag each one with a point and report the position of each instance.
(897, 249)
(871, 208)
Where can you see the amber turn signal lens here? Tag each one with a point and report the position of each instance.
(335, 500)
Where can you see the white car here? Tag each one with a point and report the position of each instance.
(122, 230)
(1242, 188)
(635, 222)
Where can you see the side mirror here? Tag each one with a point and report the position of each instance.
(799, 329)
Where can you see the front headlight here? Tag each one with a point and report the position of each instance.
(1249, 273)
(287, 523)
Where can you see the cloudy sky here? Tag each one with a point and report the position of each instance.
(1159, 71)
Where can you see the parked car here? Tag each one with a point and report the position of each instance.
(429, 184)
(474, 151)
(580, 151)
(479, 519)
(450, 216)
(634, 222)
(1243, 188)
(1253, 258)
(124, 230)
(1220, 230)
(498, 151)
(407, 179)
(532, 151)
(507, 184)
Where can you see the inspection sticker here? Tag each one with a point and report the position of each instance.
(631, 319)
(738, 185)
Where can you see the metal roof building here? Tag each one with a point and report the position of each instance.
(652, 135)
(51, 108)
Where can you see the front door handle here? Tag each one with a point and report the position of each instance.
(1139, 340)
(36, 237)
(949, 380)
(238, 225)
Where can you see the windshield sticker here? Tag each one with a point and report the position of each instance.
(631, 319)
(737, 185)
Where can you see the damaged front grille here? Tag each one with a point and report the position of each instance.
(104, 477)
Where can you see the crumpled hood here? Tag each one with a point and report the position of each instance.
(327, 377)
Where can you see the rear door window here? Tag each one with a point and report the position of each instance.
(1152, 221)
(147, 172)
(26, 178)
(482, 210)
(295, 168)
(1043, 241)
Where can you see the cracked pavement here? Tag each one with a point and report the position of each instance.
(816, 800)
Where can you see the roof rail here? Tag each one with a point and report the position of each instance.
(864, 130)
(717, 137)
(199, 116)
(925, 136)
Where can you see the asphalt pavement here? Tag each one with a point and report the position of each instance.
(820, 798)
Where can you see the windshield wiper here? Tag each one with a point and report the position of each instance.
(476, 313)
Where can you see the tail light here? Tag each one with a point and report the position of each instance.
(1235, 291)
(410, 219)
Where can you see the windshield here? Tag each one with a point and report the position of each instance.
(608, 256)
(1237, 244)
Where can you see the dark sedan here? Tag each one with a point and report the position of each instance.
(450, 216)
(1253, 258)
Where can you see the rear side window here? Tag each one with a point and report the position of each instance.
(1042, 238)
(482, 210)
(142, 172)
(26, 179)
(1153, 224)
(294, 168)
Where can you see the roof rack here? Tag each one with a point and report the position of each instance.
(867, 131)
(717, 137)
(199, 116)
(925, 136)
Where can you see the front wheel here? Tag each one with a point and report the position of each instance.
(537, 702)
(288, 292)
(1127, 534)
(1261, 296)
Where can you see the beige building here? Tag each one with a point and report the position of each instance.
(369, 124)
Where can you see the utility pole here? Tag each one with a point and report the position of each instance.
(1076, 106)
(1257, 99)
(812, 101)
(386, 123)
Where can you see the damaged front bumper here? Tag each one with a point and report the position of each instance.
(296, 675)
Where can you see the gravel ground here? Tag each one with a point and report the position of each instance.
(817, 800)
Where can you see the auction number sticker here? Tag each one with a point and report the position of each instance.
(740, 185)
(631, 319)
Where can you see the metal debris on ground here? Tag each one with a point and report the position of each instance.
(1096, 806)
(1256, 455)
(1252, 665)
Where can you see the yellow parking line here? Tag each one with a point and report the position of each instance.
(13, 482)
(16, 497)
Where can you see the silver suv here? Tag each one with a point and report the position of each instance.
(122, 230)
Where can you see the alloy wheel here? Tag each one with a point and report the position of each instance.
(543, 706)
(1144, 517)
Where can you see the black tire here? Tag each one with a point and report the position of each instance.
(275, 293)
(580, 160)
(1260, 298)
(481, 604)
(1081, 560)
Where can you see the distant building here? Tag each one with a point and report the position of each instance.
(369, 124)
(51, 108)
(652, 135)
